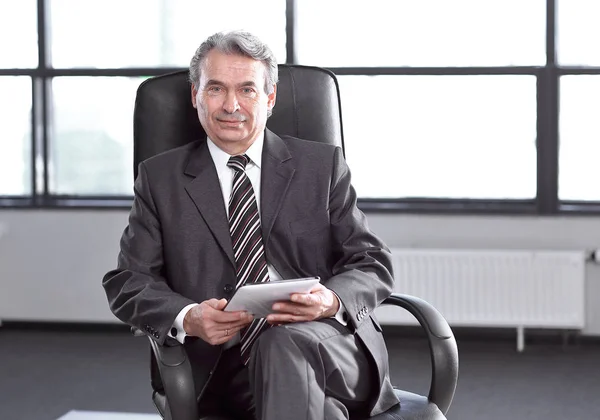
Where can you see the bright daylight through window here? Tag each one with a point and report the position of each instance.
(579, 124)
(440, 85)
(468, 136)
(15, 135)
(449, 136)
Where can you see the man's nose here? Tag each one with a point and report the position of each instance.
(231, 103)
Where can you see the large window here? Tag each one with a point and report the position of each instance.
(448, 105)
(69, 71)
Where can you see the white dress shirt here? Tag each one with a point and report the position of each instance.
(226, 174)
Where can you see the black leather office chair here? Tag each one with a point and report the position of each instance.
(308, 106)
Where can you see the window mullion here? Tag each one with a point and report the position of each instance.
(547, 141)
(290, 34)
(42, 100)
(547, 121)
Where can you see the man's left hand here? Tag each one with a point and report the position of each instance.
(319, 303)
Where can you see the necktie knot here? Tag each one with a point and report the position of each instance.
(238, 162)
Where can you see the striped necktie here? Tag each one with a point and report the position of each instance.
(246, 237)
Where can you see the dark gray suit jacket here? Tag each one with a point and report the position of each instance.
(177, 248)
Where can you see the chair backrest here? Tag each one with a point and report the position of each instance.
(307, 106)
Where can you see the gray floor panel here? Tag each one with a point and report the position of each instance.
(105, 375)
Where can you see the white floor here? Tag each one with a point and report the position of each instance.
(102, 415)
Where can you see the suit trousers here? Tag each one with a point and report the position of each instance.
(299, 371)
(227, 395)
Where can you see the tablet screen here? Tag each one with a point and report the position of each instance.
(258, 298)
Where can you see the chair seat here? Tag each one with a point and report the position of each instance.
(411, 407)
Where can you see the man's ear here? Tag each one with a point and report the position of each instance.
(194, 93)
(272, 97)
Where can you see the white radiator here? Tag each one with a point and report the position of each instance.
(495, 288)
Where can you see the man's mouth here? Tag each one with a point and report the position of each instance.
(231, 121)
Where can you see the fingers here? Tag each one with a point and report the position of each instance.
(215, 312)
(217, 337)
(221, 333)
(217, 304)
(222, 326)
(292, 312)
(301, 307)
(317, 296)
(209, 322)
(232, 318)
(288, 318)
(307, 299)
(221, 303)
(307, 304)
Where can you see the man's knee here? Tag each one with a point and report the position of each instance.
(285, 338)
(281, 335)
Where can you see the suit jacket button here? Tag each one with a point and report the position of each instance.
(228, 288)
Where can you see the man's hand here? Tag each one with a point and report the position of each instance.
(319, 303)
(215, 326)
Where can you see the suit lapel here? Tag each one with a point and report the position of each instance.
(205, 192)
(276, 174)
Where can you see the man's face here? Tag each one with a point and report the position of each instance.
(231, 100)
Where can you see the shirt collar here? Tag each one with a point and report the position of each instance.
(221, 157)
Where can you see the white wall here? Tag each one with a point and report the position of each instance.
(52, 262)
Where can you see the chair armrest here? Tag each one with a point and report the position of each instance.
(176, 376)
(442, 346)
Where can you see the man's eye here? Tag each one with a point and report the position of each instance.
(248, 91)
(214, 89)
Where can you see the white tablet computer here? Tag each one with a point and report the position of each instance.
(258, 298)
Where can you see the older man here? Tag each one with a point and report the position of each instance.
(245, 205)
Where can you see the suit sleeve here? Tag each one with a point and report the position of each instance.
(362, 272)
(137, 291)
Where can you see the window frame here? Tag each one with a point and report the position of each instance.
(547, 76)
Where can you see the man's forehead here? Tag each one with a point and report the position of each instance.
(218, 66)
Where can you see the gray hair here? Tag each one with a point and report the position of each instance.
(236, 42)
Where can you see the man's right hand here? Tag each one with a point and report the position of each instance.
(215, 326)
